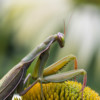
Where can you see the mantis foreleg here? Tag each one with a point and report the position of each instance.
(39, 71)
(40, 67)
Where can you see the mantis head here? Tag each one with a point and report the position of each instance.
(60, 39)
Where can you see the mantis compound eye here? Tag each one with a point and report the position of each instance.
(60, 39)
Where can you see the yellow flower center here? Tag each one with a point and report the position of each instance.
(68, 90)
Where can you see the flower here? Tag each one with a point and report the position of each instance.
(68, 90)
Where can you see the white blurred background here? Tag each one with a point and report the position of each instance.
(26, 23)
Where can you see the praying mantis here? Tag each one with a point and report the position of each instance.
(15, 78)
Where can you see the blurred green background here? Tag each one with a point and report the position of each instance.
(24, 24)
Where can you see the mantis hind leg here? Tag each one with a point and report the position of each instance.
(54, 68)
(67, 75)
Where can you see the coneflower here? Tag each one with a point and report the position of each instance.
(68, 90)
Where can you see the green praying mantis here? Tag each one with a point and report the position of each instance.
(15, 78)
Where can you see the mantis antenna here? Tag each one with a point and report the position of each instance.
(67, 24)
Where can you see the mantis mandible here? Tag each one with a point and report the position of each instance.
(14, 79)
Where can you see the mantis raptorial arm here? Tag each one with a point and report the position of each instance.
(39, 67)
(52, 69)
(39, 71)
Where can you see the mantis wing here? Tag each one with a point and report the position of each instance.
(10, 81)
